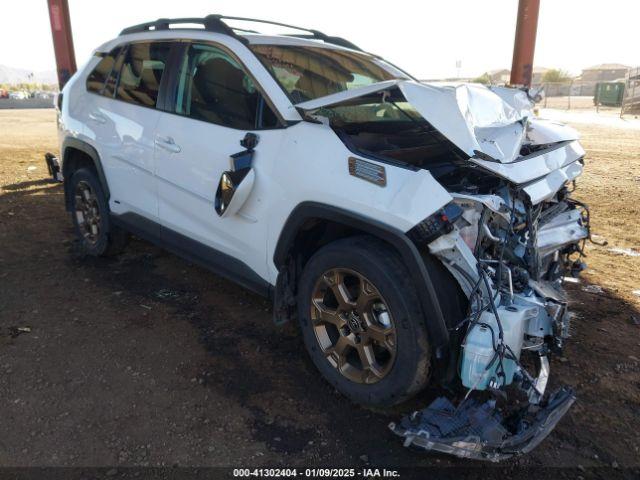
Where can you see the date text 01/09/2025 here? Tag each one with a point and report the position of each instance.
(316, 472)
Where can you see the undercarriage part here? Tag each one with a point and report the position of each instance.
(483, 430)
(53, 166)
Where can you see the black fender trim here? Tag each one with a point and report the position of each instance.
(70, 142)
(434, 318)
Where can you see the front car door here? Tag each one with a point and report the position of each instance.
(215, 103)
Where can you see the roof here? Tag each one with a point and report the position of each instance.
(223, 25)
(608, 66)
(253, 39)
(261, 39)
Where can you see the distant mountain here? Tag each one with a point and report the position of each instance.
(19, 75)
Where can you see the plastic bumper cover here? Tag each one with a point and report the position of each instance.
(478, 430)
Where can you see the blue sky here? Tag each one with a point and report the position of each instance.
(424, 37)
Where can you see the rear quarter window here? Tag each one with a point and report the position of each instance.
(98, 76)
(141, 73)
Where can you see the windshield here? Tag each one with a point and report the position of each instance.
(380, 107)
(307, 73)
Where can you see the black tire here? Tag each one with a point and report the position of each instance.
(109, 239)
(409, 372)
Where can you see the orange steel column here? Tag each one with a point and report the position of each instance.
(525, 42)
(62, 40)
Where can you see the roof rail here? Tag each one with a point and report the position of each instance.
(216, 23)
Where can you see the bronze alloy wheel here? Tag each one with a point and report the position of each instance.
(353, 325)
(87, 212)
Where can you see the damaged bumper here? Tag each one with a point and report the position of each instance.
(479, 430)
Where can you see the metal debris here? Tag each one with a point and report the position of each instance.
(15, 331)
(629, 252)
(165, 293)
(593, 289)
(570, 280)
(598, 239)
(478, 429)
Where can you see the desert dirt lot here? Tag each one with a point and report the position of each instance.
(148, 360)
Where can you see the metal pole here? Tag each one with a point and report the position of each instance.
(62, 40)
(525, 42)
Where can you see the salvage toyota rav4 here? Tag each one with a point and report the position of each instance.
(419, 234)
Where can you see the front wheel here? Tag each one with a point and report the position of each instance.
(362, 322)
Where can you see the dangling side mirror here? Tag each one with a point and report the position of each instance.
(236, 184)
(233, 190)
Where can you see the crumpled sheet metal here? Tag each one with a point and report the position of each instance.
(472, 116)
(477, 429)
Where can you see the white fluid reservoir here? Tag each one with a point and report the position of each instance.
(480, 345)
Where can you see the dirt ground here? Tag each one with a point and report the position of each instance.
(148, 360)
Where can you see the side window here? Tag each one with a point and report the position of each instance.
(96, 79)
(214, 87)
(141, 73)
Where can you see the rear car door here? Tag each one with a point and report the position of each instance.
(122, 121)
(215, 102)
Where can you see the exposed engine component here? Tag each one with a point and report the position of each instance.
(522, 252)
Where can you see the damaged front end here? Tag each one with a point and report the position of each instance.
(513, 235)
(517, 236)
(510, 257)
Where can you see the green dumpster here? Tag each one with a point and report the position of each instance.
(609, 94)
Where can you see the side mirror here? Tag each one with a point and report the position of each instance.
(236, 184)
(233, 190)
(536, 95)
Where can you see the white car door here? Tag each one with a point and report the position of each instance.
(123, 120)
(215, 104)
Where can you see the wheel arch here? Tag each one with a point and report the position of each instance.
(78, 154)
(312, 225)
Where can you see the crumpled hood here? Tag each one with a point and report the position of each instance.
(473, 117)
(486, 123)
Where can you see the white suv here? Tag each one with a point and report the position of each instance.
(418, 233)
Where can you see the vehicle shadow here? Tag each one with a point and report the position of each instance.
(265, 369)
(28, 184)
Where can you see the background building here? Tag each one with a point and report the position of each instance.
(604, 72)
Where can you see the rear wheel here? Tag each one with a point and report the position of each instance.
(362, 322)
(90, 215)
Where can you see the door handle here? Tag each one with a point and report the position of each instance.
(97, 117)
(167, 143)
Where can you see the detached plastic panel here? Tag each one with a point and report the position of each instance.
(478, 430)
